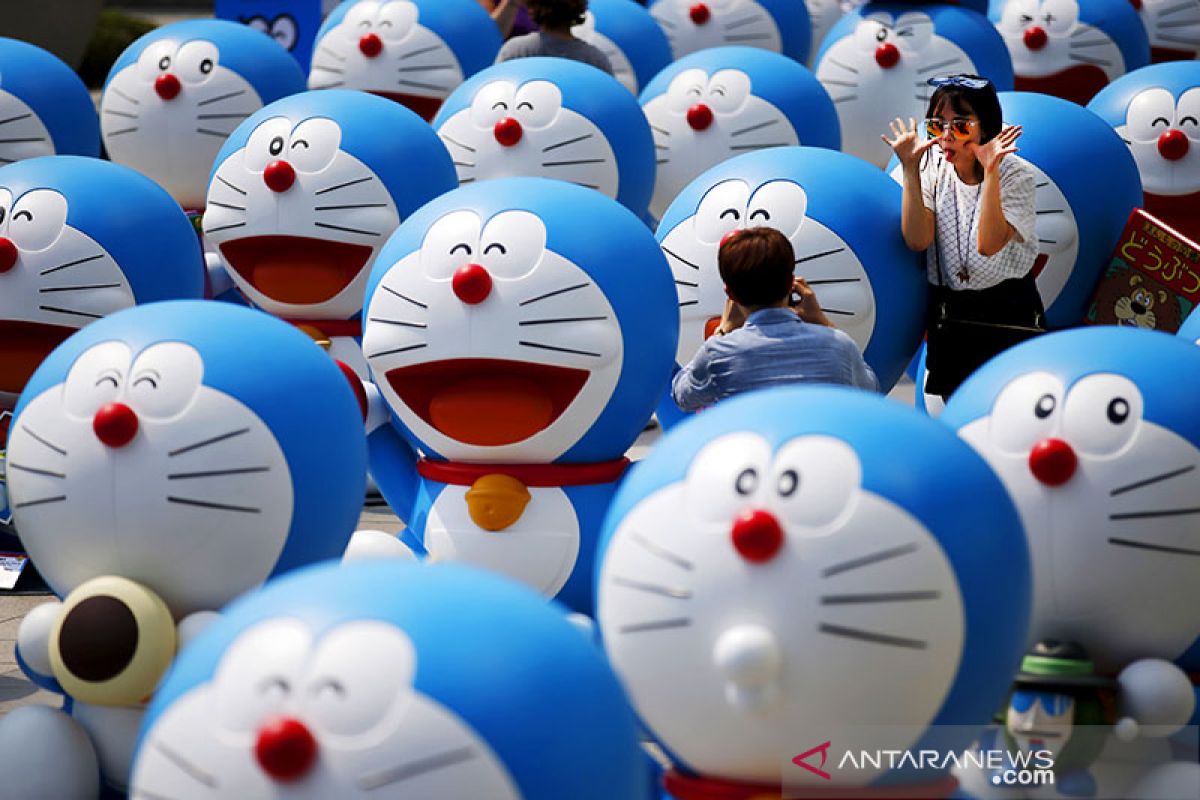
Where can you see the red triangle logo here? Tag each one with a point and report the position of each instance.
(802, 760)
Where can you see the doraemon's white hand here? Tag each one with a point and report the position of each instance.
(33, 637)
(751, 661)
(371, 545)
(1156, 695)
(193, 625)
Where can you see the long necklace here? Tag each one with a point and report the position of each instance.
(963, 274)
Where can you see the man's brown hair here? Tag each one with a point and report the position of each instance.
(756, 265)
(557, 13)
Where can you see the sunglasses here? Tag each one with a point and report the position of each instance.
(965, 81)
(960, 127)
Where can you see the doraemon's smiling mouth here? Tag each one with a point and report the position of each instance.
(295, 269)
(692, 26)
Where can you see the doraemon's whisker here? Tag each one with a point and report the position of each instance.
(680, 258)
(658, 550)
(1095, 43)
(652, 588)
(1165, 512)
(878, 597)
(70, 311)
(567, 142)
(922, 98)
(404, 297)
(556, 349)
(561, 320)
(840, 65)
(1099, 62)
(737, 23)
(660, 130)
(413, 769)
(23, 140)
(222, 116)
(689, 284)
(467, 164)
(1175, 9)
(216, 473)
(666, 23)
(144, 794)
(1048, 241)
(663, 161)
(1179, 40)
(872, 637)
(837, 312)
(844, 99)
(80, 288)
(757, 127)
(457, 143)
(349, 206)
(1163, 548)
(36, 471)
(822, 254)
(231, 186)
(1040, 185)
(426, 69)
(832, 82)
(112, 111)
(1126, 141)
(334, 70)
(555, 293)
(748, 37)
(124, 131)
(43, 441)
(937, 66)
(331, 52)
(41, 501)
(1181, 24)
(221, 97)
(433, 87)
(230, 206)
(124, 96)
(206, 442)
(190, 501)
(826, 281)
(70, 264)
(575, 162)
(208, 132)
(399, 322)
(658, 625)
(685, 303)
(1051, 211)
(330, 85)
(1175, 473)
(346, 230)
(225, 227)
(187, 767)
(661, 147)
(757, 146)
(868, 560)
(395, 350)
(418, 52)
(354, 182)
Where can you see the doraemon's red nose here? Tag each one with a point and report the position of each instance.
(167, 86)
(1173, 144)
(115, 424)
(1035, 37)
(757, 535)
(279, 176)
(887, 55)
(8, 254)
(370, 45)
(472, 283)
(1052, 461)
(508, 131)
(699, 13)
(699, 117)
(286, 749)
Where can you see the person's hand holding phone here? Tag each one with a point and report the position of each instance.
(804, 302)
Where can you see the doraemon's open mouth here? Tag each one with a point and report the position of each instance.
(425, 107)
(487, 402)
(23, 346)
(1078, 83)
(296, 269)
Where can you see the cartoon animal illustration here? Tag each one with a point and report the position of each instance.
(877, 60)
(632, 40)
(1136, 308)
(45, 109)
(777, 570)
(1173, 27)
(414, 52)
(175, 95)
(710, 106)
(520, 332)
(780, 26)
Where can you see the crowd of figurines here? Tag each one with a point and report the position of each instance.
(470, 284)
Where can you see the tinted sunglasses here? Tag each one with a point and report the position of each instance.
(965, 81)
(960, 127)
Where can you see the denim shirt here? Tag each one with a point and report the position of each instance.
(774, 347)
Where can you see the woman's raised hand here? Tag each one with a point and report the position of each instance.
(907, 145)
(991, 154)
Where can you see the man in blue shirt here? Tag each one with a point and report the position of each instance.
(773, 331)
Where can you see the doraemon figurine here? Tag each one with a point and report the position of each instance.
(292, 23)
(45, 109)
(1070, 48)
(160, 466)
(176, 94)
(1156, 110)
(1173, 27)
(781, 26)
(415, 52)
(710, 106)
(778, 573)
(552, 118)
(392, 680)
(632, 40)
(842, 217)
(520, 332)
(877, 60)
(304, 194)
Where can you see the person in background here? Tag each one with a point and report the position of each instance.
(773, 331)
(510, 16)
(555, 18)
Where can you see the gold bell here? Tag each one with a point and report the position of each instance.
(496, 501)
(317, 336)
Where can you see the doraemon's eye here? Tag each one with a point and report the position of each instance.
(396, 20)
(266, 143)
(450, 243)
(1025, 18)
(734, 88)
(1188, 113)
(110, 377)
(1025, 412)
(817, 479)
(1102, 414)
(196, 61)
(461, 247)
(164, 63)
(359, 19)
(95, 378)
(259, 672)
(495, 247)
(155, 60)
(537, 104)
(727, 476)
(686, 89)
(258, 23)
(37, 219)
(746, 483)
(872, 31)
(6, 200)
(1044, 406)
(731, 214)
(789, 481)
(513, 244)
(1148, 108)
(1060, 16)
(314, 144)
(276, 146)
(283, 30)
(780, 204)
(1017, 15)
(492, 103)
(721, 210)
(165, 379)
(914, 30)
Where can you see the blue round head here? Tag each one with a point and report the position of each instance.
(180, 458)
(1190, 329)
(780, 26)
(876, 62)
(842, 217)
(551, 118)
(436, 681)
(629, 36)
(710, 106)
(358, 165)
(838, 542)
(1094, 433)
(176, 93)
(522, 320)
(45, 109)
(412, 51)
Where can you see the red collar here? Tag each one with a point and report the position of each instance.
(331, 327)
(683, 787)
(544, 475)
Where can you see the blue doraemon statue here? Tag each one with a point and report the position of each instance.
(395, 680)
(1173, 28)
(1190, 329)
(1070, 48)
(842, 217)
(552, 118)
(520, 332)
(45, 109)
(1156, 110)
(158, 468)
(629, 37)
(711, 106)
(292, 23)
(176, 93)
(877, 60)
(415, 52)
(777, 574)
(781, 26)
(303, 195)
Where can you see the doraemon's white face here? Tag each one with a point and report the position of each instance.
(524, 130)
(822, 257)
(622, 69)
(1045, 37)
(486, 317)
(1058, 237)
(771, 596)
(880, 72)
(1173, 27)
(1163, 134)
(133, 467)
(382, 48)
(336, 716)
(22, 133)
(701, 121)
(167, 114)
(299, 220)
(692, 26)
(1107, 498)
(54, 279)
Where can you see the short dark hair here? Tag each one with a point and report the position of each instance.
(756, 265)
(557, 13)
(982, 102)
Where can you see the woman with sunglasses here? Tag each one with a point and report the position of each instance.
(970, 205)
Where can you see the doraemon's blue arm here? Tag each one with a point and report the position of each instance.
(394, 467)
